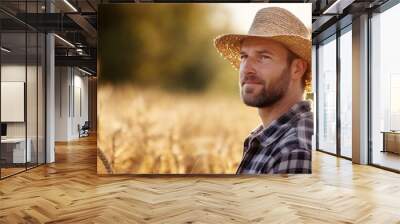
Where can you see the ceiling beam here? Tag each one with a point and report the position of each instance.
(83, 61)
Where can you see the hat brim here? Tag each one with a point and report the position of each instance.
(228, 46)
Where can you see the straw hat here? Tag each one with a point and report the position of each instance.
(274, 23)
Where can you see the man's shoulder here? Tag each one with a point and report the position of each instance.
(305, 119)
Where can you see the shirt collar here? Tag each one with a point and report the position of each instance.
(277, 127)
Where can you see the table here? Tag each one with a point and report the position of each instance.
(15, 148)
(391, 141)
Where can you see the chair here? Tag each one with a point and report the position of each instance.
(84, 130)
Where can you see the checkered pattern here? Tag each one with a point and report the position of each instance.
(283, 147)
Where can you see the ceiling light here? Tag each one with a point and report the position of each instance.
(64, 40)
(84, 71)
(338, 6)
(5, 50)
(70, 5)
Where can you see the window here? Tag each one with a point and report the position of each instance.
(327, 95)
(346, 92)
(385, 89)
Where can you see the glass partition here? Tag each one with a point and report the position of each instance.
(14, 154)
(22, 88)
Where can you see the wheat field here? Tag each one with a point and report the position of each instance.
(148, 131)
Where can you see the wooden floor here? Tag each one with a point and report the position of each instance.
(10, 171)
(70, 191)
(387, 159)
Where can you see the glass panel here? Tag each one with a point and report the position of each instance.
(327, 96)
(41, 98)
(346, 94)
(385, 86)
(31, 101)
(32, 90)
(313, 73)
(13, 90)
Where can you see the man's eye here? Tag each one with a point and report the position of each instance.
(265, 57)
(243, 56)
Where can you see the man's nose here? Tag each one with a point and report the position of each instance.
(247, 67)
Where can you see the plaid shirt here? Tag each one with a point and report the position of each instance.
(283, 147)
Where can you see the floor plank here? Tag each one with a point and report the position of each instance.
(70, 191)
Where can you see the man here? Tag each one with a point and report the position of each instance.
(274, 61)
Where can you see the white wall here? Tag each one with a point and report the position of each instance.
(62, 81)
(71, 93)
(12, 73)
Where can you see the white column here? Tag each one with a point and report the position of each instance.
(50, 92)
(360, 90)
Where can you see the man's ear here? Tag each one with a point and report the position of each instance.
(298, 68)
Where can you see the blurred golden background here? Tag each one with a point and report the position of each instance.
(168, 46)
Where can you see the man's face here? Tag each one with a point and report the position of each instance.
(264, 72)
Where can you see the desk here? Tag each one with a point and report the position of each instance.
(391, 141)
(15, 148)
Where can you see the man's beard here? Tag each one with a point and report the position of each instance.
(268, 97)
